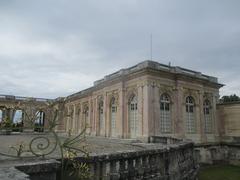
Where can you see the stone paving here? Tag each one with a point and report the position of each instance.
(94, 145)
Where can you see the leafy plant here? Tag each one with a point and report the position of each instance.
(7, 123)
(73, 167)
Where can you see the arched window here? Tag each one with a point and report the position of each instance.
(18, 116)
(190, 115)
(133, 117)
(39, 121)
(18, 120)
(207, 116)
(113, 108)
(101, 117)
(165, 116)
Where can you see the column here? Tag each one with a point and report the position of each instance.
(122, 113)
(140, 109)
(74, 120)
(146, 106)
(200, 118)
(180, 108)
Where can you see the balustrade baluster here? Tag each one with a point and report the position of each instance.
(113, 170)
(122, 169)
(138, 167)
(131, 170)
(103, 170)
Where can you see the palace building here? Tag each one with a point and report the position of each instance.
(144, 101)
(148, 99)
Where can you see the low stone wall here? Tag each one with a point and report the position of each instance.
(173, 163)
(12, 173)
(164, 140)
(218, 153)
(43, 170)
(30, 170)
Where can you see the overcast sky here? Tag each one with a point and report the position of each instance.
(51, 48)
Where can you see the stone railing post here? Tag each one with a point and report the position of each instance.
(138, 167)
(122, 169)
(92, 168)
(166, 163)
(131, 170)
(159, 165)
(152, 163)
(145, 164)
(103, 170)
(113, 170)
(107, 171)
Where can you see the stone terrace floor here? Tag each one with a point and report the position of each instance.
(94, 145)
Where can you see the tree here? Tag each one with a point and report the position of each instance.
(231, 98)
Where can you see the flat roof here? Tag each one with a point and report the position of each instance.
(158, 66)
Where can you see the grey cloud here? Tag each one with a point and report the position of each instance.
(77, 42)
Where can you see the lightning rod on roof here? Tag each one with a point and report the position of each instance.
(151, 46)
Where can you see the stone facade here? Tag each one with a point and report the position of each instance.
(229, 118)
(149, 99)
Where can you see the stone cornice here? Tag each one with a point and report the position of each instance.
(149, 68)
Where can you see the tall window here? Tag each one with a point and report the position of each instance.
(18, 120)
(190, 115)
(39, 121)
(18, 116)
(133, 117)
(207, 116)
(165, 116)
(113, 108)
(101, 119)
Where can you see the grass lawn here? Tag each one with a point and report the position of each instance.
(220, 172)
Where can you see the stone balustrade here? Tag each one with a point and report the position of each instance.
(171, 162)
(174, 162)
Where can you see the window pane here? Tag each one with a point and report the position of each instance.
(133, 117)
(162, 106)
(191, 109)
(167, 107)
(165, 116)
(207, 117)
(207, 110)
